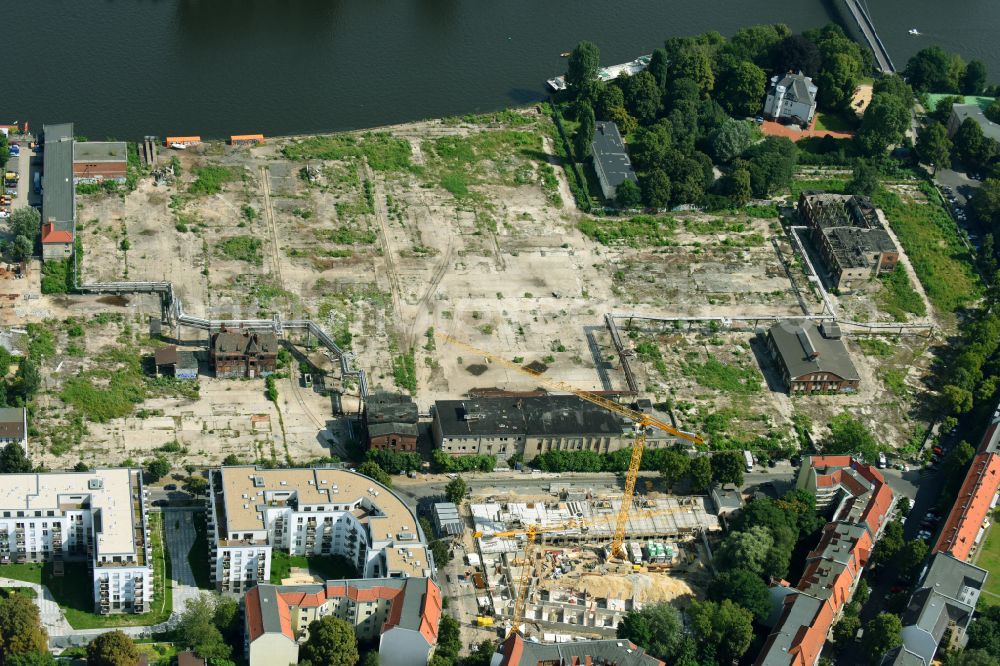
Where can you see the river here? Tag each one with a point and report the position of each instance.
(126, 68)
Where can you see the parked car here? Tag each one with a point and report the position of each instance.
(937, 450)
(160, 502)
(15, 151)
(170, 486)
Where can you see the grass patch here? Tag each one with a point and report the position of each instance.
(57, 276)
(899, 297)
(462, 161)
(837, 122)
(989, 559)
(29, 592)
(835, 185)
(715, 374)
(328, 567)
(404, 371)
(876, 347)
(347, 236)
(198, 555)
(383, 151)
(895, 380)
(242, 248)
(930, 238)
(102, 394)
(637, 231)
(649, 352)
(210, 179)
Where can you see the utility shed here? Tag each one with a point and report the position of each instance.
(812, 358)
(611, 161)
(446, 519)
(179, 363)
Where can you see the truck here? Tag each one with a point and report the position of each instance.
(748, 460)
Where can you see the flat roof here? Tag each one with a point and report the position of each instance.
(100, 151)
(527, 416)
(990, 128)
(610, 157)
(58, 191)
(110, 493)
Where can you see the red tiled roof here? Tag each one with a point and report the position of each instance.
(971, 506)
(255, 622)
(50, 235)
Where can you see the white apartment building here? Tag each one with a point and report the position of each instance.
(99, 517)
(309, 512)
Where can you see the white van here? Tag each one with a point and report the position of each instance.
(882, 462)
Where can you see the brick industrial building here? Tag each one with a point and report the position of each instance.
(98, 161)
(861, 501)
(401, 614)
(308, 512)
(391, 422)
(850, 236)
(812, 358)
(244, 354)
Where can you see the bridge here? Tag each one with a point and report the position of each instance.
(867, 27)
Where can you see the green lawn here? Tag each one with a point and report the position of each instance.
(835, 185)
(837, 122)
(73, 591)
(989, 559)
(328, 567)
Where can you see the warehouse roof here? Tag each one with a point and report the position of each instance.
(611, 160)
(100, 151)
(58, 191)
(528, 416)
(805, 349)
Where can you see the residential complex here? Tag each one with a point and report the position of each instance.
(611, 160)
(850, 235)
(961, 112)
(309, 512)
(98, 517)
(812, 358)
(401, 614)
(505, 426)
(58, 192)
(390, 421)
(516, 651)
(791, 98)
(244, 353)
(861, 502)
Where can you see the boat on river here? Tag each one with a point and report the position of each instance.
(607, 73)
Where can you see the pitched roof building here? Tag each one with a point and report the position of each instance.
(244, 353)
(14, 426)
(401, 613)
(391, 421)
(791, 98)
(58, 192)
(515, 651)
(812, 358)
(611, 161)
(861, 501)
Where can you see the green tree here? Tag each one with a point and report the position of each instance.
(700, 472)
(456, 489)
(21, 630)
(796, 53)
(659, 67)
(611, 99)
(725, 626)
(933, 70)
(986, 203)
(757, 43)
(846, 629)
(653, 145)
(971, 657)
(984, 632)
(449, 637)
(971, 146)
(889, 545)
(156, 469)
(25, 221)
(849, 435)
(13, 460)
(4, 151)
(738, 187)
(883, 125)
(727, 467)
(643, 97)
(113, 648)
(771, 164)
(909, 559)
(656, 628)
(732, 139)
(895, 85)
(21, 249)
(441, 553)
(743, 588)
(628, 195)
(674, 466)
(373, 471)
(864, 181)
(370, 658)
(690, 60)
(934, 146)
(331, 643)
(197, 629)
(32, 659)
(584, 136)
(27, 379)
(745, 550)
(974, 78)
(842, 64)
(740, 89)
(882, 633)
(993, 111)
(656, 189)
(583, 64)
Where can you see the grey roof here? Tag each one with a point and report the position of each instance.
(805, 350)
(947, 594)
(390, 413)
(270, 618)
(447, 518)
(799, 611)
(244, 342)
(610, 158)
(799, 87)
(100, 151)
(619, 652)
(527, 416)
(382, 429)
(12, 423)
(852, 245)
(726, 500)
(58, 192)
(963, 111)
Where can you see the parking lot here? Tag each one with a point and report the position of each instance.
(958, 189)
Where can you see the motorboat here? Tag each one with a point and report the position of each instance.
(914, 32)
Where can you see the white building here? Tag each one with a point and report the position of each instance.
(791, 98)
(309, 512)
(97, 516)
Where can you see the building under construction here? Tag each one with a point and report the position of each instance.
(571, 584)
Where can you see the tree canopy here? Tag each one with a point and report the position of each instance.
(113, 648)
(723, 628)
(583, 64)
(882, 633)
(744, 588)
(657, 628)
(21, 630)
(456, 489)
(331, 642)
(848, 435)
(198, 630)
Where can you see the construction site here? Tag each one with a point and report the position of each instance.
(560, 551)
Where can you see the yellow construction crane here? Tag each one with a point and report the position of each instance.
(641, 422)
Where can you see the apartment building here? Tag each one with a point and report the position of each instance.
(401, 614)
(99, 517)
(314, 511)
(531, 425)
(861, 501)
(516, 651)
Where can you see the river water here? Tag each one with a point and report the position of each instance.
(126, 68)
